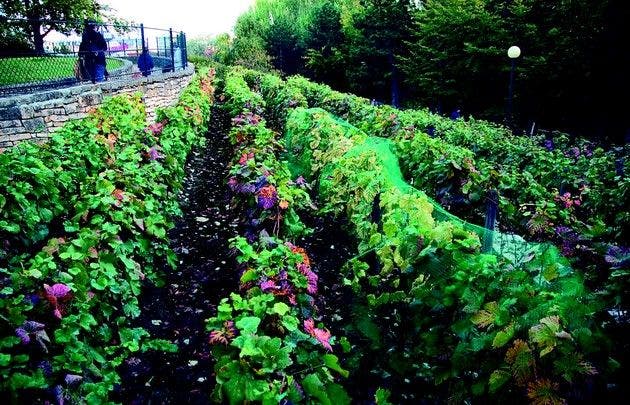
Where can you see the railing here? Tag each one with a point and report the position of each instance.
(60, 60)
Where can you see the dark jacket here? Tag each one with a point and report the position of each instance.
(93, 47)
(145, 63)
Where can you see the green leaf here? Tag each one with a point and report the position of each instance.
(20, 381)
(313, 386)
(248, 324)
(382, 397)
(503, 336)
(161, 345)
(338, 395)
(255, 389)
(234, 388)
(5, 359)
(99, 284)
(497, 379)
(11, 228)
(248, 346)
(290, 322)
(130, 338)
(87, 321)
(486, 316)
(280, 308)
(332, 362)
(248, 276)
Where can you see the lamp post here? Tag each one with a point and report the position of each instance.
(513, 53)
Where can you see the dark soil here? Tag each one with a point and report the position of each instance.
(205, 274)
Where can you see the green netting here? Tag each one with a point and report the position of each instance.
(319, 144)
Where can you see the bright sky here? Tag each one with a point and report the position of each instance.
(196, 18)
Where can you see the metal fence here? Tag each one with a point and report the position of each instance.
(61, 60)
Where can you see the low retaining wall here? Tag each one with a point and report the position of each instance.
(36, 116)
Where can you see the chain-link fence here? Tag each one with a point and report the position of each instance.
(93, 52)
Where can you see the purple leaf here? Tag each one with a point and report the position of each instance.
(154, 154)
(23, 335)
(268, 285)
(32, 326)
(57, 290)
(73, 379)
(300, 181)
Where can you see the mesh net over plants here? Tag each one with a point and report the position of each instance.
(318, 143)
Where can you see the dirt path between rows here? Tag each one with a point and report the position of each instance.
(205, 274)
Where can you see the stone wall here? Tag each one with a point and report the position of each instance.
(36, 116)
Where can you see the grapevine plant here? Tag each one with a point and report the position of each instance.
(84, 220)
(481, 324)
(267, 340)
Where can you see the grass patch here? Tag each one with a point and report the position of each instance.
(43, 68)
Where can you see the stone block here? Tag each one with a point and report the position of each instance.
(90, 99)
(9, 124)
(10, 113)
(34, 125)
(52, 103)
(26, 111)
(71, 108)
(20, 137)
(76, 116)
(12, 131)
(58, 118)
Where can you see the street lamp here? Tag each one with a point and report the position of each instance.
(513, 53)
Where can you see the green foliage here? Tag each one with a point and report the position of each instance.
(265, 340)
(278, 28)
(265, 357)
(485, 313)
(451, 54)
(217, 49)
(461, 159)
(430, 273)
(464, 40)
(98, 198)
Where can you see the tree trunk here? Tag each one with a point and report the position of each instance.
(38, 39)
(36, 26)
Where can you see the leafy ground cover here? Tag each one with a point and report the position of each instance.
(38, 69)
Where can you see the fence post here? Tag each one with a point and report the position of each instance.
(141, 36)
(170, 33)
(184, 47)
(124, 47)
(492, 207)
